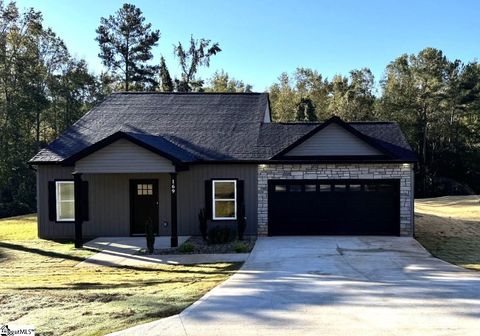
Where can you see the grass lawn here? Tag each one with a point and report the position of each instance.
(41, 286)
(449, 228)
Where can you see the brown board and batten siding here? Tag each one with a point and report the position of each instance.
(333, 140)
(123, 156)
(46, 228)
(109, 200)
(191, 194)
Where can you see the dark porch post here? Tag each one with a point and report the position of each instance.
(173, 203)
(77, 183)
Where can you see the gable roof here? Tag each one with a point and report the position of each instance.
(199, 127)
(335, 120)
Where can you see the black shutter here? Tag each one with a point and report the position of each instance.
(240, 197)
(208, 199)
(85, 211)
(52, 201)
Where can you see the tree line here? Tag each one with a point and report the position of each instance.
(436, 102)
(44, 90)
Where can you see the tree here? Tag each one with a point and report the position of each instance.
(190, 60)
(165, 79)
(222, 82)
(307, 90)
(283, 98)
(126, 42)
(418, 92)
(352, 98)
(311, 85)
(305, 110)
(43, 90)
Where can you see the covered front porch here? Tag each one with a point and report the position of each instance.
(122, 185)
(123, 204)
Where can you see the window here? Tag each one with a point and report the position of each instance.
(340, 187)
(355, 187)
(310, 188)
(144, 189)
(224, 199)
(295, 188)
(65, 201)
(378, 187)
(324, 188)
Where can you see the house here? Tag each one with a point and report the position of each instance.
(162, 157)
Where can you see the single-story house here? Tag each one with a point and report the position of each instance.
(162, 157)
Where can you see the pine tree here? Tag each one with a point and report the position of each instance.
(165, 79)
(126, 42)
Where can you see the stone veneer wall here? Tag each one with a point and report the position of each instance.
(401, 171)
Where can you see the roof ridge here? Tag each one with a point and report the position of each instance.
(371, 122)
(321, 122)
(190, 93)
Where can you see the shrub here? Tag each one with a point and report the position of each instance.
(220, 235)
(150, 235)
(202, 218)
(240, 247)
(186, 248)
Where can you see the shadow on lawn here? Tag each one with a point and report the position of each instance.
(170, 269)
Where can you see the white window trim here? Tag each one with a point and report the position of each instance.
(58, 201)
(224, 199)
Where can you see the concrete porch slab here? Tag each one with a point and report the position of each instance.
(116, 250)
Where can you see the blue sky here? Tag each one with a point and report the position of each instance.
(261, 39)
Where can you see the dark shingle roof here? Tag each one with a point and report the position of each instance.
(198, 127)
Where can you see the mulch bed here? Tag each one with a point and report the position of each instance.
(202, 247)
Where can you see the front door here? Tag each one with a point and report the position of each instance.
(143, 205)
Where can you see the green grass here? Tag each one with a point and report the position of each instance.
(449, 228)
(41, 286)
(19, 228)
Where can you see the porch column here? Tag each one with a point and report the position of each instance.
(173, 203)
(77, 183)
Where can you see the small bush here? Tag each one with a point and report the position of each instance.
(150, 235)
(186, 248)
(240, 247)
(220, 235)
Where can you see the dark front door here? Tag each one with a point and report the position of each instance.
(143, 205)
(334, 207)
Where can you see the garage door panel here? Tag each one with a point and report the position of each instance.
(313, 207)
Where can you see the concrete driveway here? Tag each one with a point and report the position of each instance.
(345, 286)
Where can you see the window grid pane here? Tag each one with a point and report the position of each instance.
(144, 189)
(324, 187)
(224, 190)
(225, 209)
(295, 188)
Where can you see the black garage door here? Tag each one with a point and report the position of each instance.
(333, 207)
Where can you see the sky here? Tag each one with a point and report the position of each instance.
(262, 39)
